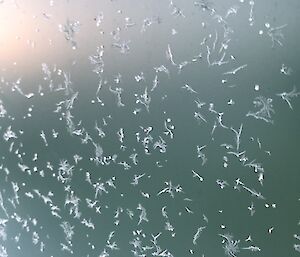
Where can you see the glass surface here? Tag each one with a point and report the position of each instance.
(149, 128)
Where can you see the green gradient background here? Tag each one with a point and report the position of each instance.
(147, 50)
